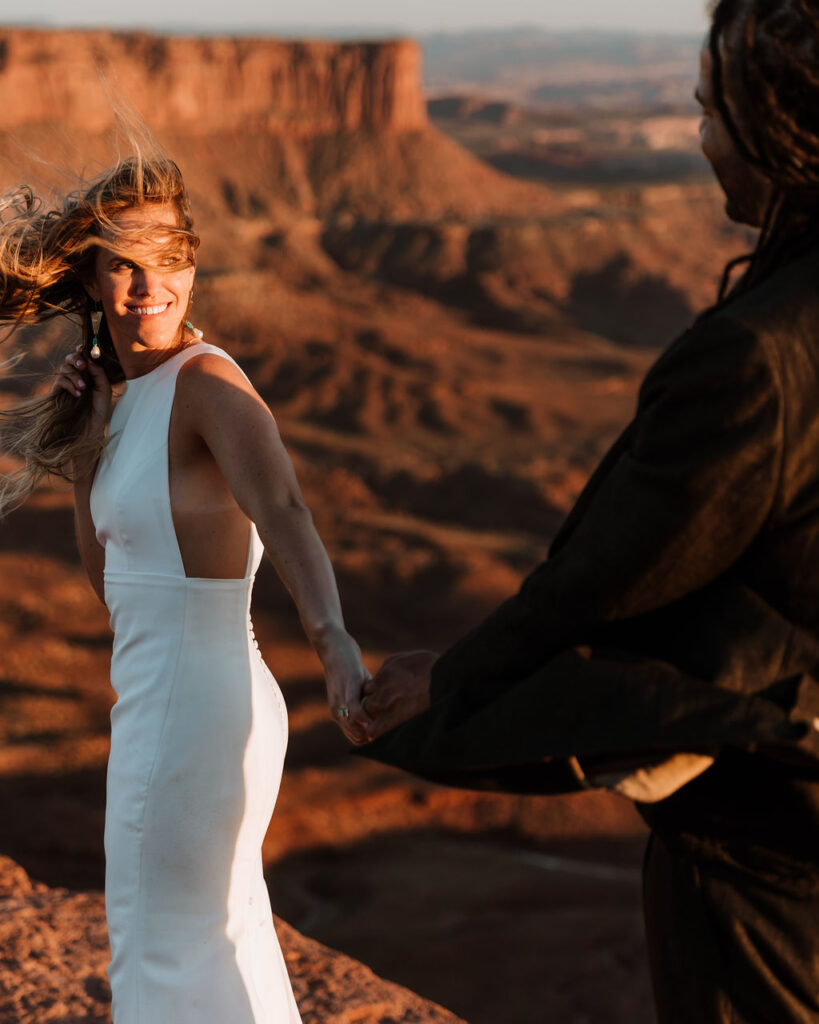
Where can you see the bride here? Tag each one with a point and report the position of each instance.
(180, 483)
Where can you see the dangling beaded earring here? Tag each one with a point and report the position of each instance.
(194, 330)
(96, 320)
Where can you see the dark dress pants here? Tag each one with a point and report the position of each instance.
(725, 948)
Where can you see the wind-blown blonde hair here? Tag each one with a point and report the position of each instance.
(46, 256)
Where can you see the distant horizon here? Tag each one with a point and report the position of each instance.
(338, 32)
(363, 17)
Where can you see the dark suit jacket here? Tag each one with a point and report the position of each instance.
(678, 609)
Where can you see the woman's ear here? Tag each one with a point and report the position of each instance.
(90, 285)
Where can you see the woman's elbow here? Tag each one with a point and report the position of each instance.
(286, 505)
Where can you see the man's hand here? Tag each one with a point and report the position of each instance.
(398, 691)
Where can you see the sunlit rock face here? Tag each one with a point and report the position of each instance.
(207, 85)
(55, 952)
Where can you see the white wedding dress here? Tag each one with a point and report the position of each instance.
(198, 735)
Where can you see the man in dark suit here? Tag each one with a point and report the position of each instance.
(669, 645)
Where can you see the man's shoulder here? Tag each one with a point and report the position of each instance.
(720, 350)
(783, 307)
(774, 325)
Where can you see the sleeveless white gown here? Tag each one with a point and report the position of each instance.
(198, 735)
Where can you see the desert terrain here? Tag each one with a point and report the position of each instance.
(571, 108)
(448, 349)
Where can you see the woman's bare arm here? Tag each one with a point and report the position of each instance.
(218, 403)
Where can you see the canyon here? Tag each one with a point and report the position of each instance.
(448, 350)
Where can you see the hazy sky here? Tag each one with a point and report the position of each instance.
(372, 15)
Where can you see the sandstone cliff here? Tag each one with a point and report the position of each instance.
(260, 127)
(209, 84)
(448, 353)
(55, 950)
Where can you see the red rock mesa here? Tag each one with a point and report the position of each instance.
(207, 85)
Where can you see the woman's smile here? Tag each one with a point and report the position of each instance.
(144, 310)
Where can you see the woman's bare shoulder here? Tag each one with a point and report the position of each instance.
(209, 370)
(211, 388)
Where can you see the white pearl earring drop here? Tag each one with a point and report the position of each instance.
(96, 320)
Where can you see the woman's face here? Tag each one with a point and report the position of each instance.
(145, 291)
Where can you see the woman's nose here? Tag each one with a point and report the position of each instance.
(145, 281)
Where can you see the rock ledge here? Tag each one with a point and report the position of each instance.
(54, 950)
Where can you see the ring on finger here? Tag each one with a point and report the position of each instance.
(342, 711)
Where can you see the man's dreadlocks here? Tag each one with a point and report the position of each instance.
(768, 50)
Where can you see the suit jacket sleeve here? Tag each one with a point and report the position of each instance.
(695, 480)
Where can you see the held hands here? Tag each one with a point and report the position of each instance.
(73, 377)
(344, 673)
(399, 690)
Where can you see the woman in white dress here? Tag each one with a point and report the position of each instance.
(178, 491)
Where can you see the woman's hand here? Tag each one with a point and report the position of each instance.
(72, 377)
(345, 675)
